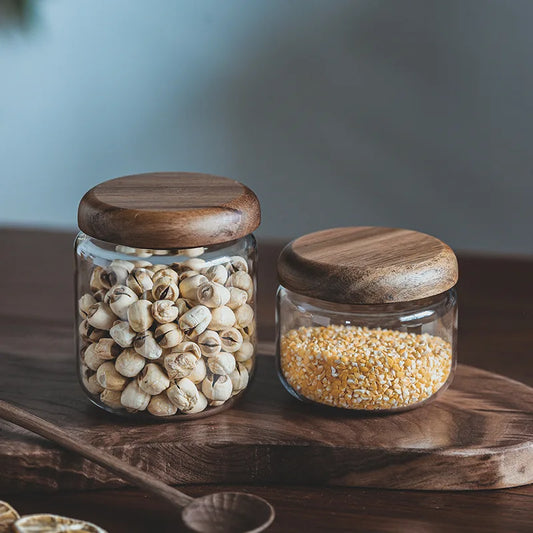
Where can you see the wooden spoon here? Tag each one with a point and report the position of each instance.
(219, 512)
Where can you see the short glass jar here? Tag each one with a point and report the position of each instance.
(166, 330)
(367, 318)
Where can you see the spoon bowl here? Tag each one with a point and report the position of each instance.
(228, 512)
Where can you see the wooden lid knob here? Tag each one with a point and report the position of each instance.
(367, 265)
(169, 210)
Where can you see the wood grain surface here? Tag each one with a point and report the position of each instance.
(367, 265)
(494, 333)
(169, 210)
(477, 435)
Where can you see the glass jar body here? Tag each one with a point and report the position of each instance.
(389, 357)
(165, 333)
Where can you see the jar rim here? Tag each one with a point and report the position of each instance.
(388, 307)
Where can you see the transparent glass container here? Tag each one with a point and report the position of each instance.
(165, 333)
(379, 358)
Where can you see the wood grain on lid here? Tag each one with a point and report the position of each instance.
(169, 210)
(367, 265)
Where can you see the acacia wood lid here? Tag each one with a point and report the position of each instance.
(169, 210)
(367, 265)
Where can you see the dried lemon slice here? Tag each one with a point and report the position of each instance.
(8, 515)
(50, 523)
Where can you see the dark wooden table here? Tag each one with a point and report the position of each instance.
(496, 333)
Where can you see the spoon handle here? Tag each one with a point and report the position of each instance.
(129, 473)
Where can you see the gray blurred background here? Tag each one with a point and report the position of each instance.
(410, 113)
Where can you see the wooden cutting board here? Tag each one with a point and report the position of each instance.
(478, 435)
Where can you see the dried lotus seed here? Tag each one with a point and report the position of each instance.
(119, 299)
(179, 365)
(143, 252)
(242, 280)
(237, 298)
(122, 334)
(116, 274)
(89, 332)
(199, 371)
(84, 303)
(188, 274)
(182, 306)
(140, 280)
(189, 286)
(145, 345)
(91, 358)
(106, 348)
(216, 273)
(140, 315)
(122, 249)
(221, 318)
(164, 271)
(231, 339)
(111, 398)
(192, 252)
(209, 342)
(195, 263)
(100, 316)
(168, 335)
(222, 363)
(90, 382)
(165, 289)
(239, 378)
(189, 346)
(199, 406)
(196, 320)
(179, 268)
(128, 265)
(50, 523)
(212, 294)
(217, 388)
(109, 378)
(164, 311)
(129, 363)
(244, 315)
(133, 397)
(160, 405)
(152, 379)
(100, 295)
(245, 352)
(93, 386)
(183, 394)
(237, 263)
(8, 516)
(98, 279)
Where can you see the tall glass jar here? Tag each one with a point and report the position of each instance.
(165, 294)
(367, 318)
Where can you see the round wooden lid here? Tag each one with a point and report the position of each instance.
(367, 265)
(169, 210)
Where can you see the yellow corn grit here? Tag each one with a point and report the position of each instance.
(361, 368)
